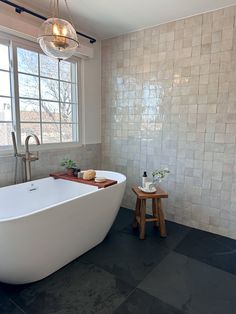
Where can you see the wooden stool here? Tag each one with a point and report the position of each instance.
(140, 211)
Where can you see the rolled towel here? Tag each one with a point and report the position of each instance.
(89, 174)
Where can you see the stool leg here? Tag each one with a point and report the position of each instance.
(162, 224)
(155, 212)
(136, 213)
(142, 219)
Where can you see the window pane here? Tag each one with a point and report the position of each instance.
(65, 71)
(5, 109)
(27, 61)
(51, 133)
(28, 86)
(4, 60)
(5, 89)
(67, 131)
(48, 67)
(27, 128)
(69, 113)
(50, 111)
(49, 89)
(29, 110)
(65, 89)
(5, 134)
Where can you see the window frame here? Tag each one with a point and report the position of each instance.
(7, 42)
(15, 42)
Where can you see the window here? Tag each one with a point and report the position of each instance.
(5, 97)
(46, 100)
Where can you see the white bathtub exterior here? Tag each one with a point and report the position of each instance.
(46, 228)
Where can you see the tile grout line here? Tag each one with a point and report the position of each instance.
(204, 263)
(105, 270)
(13, 302)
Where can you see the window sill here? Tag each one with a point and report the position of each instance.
(8, 152)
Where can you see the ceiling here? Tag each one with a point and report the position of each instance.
(109, 18)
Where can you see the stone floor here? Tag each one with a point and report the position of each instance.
(190, 271)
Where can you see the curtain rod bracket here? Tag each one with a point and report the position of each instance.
(18, 10)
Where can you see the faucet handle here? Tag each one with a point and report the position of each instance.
(34, 157)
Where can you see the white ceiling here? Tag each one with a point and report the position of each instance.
(109, 18)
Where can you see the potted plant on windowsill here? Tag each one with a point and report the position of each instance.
(69, 165)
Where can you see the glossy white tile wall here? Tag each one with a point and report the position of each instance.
(169, 100)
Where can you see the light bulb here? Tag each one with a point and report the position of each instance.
(64, 31)
(55, 30)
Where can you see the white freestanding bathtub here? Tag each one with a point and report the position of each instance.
(46, 223)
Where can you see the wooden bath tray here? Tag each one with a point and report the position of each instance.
(63, 175)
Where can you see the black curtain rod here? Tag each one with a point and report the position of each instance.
(19, 9)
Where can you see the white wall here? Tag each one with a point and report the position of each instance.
(91, 69)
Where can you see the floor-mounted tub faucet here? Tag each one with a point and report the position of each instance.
(28, 158)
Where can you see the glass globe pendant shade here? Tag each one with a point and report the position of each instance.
(58, 38)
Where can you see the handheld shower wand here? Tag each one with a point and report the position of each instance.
(16, 155)
(13, 136)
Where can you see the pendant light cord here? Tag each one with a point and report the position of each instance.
(57, 9)
(69, 12)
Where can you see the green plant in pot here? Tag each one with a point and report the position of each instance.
(69, 165)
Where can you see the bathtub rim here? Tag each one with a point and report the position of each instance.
(5, 220)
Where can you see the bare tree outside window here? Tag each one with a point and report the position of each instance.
(47, 91)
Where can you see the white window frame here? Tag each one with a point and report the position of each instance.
(5, 41)
(15, 42)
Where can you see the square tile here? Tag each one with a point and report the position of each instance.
(123, 219)
(126, 257)
(210, 248)
(140, 302)
(7, 306)
(192, 286)
(175, 232)
(77, 288)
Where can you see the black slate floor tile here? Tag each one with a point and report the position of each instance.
(123, 219)
(210, 248)
(139, 302)
(7, 306)
(192, 286)
(175, 232)
(78, 288)
(126, 256)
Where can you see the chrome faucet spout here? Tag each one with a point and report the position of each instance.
(27, 141)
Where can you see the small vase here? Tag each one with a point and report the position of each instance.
(156, 182)
(69, 172)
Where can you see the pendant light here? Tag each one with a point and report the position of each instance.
(57, 37)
